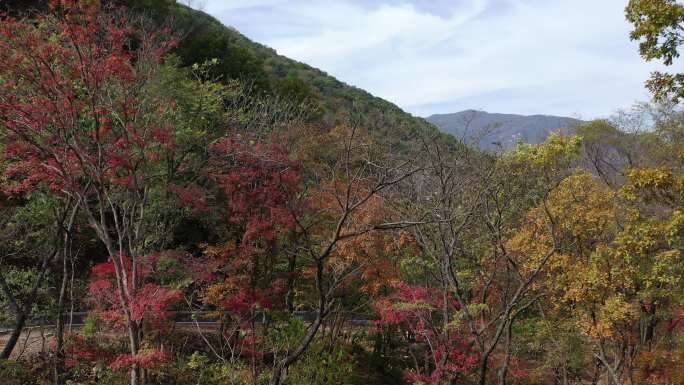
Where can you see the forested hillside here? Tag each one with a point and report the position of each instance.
(183, 206)
(330, 100)
(287, 85)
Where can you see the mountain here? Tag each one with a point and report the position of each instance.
(500, 131)
(277, 75)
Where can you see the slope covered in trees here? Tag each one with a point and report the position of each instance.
(328, 100)
(309, 242)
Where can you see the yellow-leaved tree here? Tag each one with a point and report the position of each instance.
(615, 276)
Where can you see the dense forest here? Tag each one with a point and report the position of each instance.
(183, 206)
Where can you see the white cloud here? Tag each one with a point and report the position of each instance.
(522, 56)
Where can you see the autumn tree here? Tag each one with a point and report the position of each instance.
(80, 122)
(577, 218)
(350, 174)
(438, 352)
(252, 272)
(614, 274)
(659, 28)
(474, 208)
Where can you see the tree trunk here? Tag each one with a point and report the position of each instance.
(59, 333)
(59, 369)
(22, 312)
(596, 373)
(122, 284)
(503, 371)
(277, 376)
(14, 337)
(651, 323)
(290, 296)
(482, 371)
(134, 338)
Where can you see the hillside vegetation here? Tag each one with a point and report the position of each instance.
(180, 205)
(330, 101)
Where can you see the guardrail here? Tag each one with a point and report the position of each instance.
(184, 317)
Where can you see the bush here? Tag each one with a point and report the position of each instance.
(323, 365)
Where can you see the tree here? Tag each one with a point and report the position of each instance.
(615, 274)
(472, 213)
(439, 353)
(659, 26)
(80, 122)
(24, 249)
(579, 219)
(253, 272)
(150, 304)
(350, 174)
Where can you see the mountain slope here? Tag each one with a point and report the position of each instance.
(271, 73)
(267, 72)
(493, 131)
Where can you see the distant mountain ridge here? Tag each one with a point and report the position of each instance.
(493, 131)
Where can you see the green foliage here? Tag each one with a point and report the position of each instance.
(21, 372)
(599, 130)
(11, 369)
(323, 365)
(286, 332)
(206, 372)
(21, 281)
(295, 89)
(558, 346)
(658, 25)
(331, 101)
(556, 153)
(91, 326)
(530, 171)
(152, 7)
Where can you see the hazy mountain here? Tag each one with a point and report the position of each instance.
(492, 131)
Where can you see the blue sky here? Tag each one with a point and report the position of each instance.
(562, 57)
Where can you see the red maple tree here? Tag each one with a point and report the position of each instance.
(82, 123)
(439, 352)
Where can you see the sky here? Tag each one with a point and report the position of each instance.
(558, 57)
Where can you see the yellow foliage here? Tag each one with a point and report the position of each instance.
(580, 212)
(217, 293)
(553, 155)
(651, 180)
